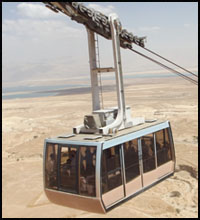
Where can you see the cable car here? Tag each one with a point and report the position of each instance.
(111, 157)
(95, 173)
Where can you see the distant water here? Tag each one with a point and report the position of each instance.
(34, 91)
(44, 91)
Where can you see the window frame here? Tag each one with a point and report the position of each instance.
(154, 152)
(120, 168)
(165, 131)
(60, 146)
(133, 164)
(69, 145)
(45, 164)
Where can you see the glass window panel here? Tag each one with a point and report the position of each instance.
(51, 166)
(131, 160)
(87, 171)
(73, 171)
(148, 153)
(111, 169)
(68, 169)
(163, 147)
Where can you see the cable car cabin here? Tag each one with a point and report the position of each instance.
(95, 173)
(111, 156)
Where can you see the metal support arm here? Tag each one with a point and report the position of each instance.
(121, 116)
(93, 73)
(98, 124)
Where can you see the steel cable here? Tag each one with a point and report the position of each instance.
(166, 67)
(169, 61)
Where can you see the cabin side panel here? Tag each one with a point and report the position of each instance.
(75, 201)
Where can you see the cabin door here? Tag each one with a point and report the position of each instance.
(112, 175)
(132, 161)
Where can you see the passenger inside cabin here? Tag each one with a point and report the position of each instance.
(168, 148)
(130, 152)
(72, 161)
(51, 172)
(87, 170)
(89, 161)
(73, 158)
(148, 154)
(67, 166)
(131, 159)
(134, 149)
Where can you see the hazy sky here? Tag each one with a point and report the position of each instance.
(40, 44)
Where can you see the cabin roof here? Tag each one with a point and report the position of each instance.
(100, 138)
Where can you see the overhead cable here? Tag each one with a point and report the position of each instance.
(170, 61)
(166, 67)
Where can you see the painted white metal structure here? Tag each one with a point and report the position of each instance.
(111, 157)
(123, 119)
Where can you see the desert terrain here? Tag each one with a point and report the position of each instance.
(27, 122)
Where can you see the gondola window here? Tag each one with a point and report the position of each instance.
(111, 169)
(71, 169)
(87, 171)
(163, 147)
(148, 153)
(68, 169)
(51, 166)
(131, 160)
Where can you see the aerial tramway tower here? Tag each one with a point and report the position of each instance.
(111, 157)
